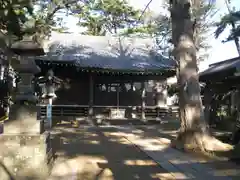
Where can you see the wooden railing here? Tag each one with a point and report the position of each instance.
(153, 112)
(82, 111)
(65, 111)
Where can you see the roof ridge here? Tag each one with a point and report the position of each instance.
(224, 61)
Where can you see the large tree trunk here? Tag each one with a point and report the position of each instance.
(185, 54)
(193, 130)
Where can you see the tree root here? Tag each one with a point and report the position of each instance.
(196, 140)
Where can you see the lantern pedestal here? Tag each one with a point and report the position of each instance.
(25, 147)
(23, 120)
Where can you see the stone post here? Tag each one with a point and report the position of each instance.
(25, 147)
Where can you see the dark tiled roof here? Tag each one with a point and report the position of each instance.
(221, 66)
(117, 53)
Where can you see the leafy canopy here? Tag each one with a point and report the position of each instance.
(100, 17)
(226, 21)
(32, 17)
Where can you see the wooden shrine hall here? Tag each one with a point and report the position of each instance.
(114, 77)
(221, 89)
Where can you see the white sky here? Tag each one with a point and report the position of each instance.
(219, 52)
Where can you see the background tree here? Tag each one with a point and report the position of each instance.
(159, 26)
(26, 17)
(231, 19)
(12, 15)
(109, 16)
(91, 20)
(36, 18)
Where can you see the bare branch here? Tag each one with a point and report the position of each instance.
(144, 10)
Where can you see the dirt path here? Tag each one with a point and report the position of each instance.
(99, 153)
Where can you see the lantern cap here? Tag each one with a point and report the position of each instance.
(27, 47)
(49, 96)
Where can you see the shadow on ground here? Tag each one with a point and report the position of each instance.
(104, 153)
(186, 162)
(166, 132)
(93, 153)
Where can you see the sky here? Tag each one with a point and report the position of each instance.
(219, 51)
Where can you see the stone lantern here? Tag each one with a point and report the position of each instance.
(26, 142)
(49, 85)
(24, 108)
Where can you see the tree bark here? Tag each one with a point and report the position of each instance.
(193, 132)
(185, 54)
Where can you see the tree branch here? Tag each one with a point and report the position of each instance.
(51, 14)
(144, 10)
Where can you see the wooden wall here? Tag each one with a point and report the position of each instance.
(76, 92)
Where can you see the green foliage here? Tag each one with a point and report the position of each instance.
(32, 17)
(100, 17)
(228, 20)
(44, 19)
(151, 24)
(13, 14)
(94, 24)
(203, 17)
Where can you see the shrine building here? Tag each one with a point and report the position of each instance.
(121, 77)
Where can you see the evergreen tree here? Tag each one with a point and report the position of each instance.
(100, 17)
(227, 20)
(231, 19)
(159, 26)
(31, 17)
(19, 18)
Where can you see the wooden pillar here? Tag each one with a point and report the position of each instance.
(118, 98)
(234, 101)
(133, 110)
(207, 102)
(91, 96)
(132, 83)
(236, 130)
(210, 103)
(161, 94)
(213, 112)
(143, 98)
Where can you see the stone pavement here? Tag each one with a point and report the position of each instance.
(128, 152)
(95, 153)
(181, 165)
